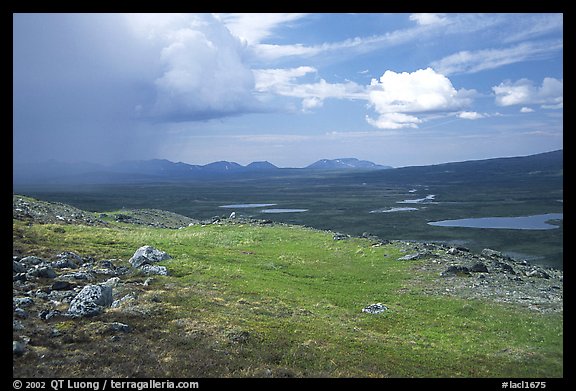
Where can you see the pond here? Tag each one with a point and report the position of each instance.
(239, 206)
(428, 198)
(280, 210)
(520, 222)
(389, 210)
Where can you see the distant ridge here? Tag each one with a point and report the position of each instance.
(504, 169)
(222, 166)
(346, 164)
(549, 164)
(261, 166)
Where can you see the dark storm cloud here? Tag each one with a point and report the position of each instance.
(93, 86)
(77, 80)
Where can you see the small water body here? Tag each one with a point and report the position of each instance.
(534, 222)
(428, 198)
(283, 210)
(239, 206)
(389, 210)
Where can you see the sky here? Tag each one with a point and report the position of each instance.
(395, 89)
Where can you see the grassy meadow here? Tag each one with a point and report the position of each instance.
(282, 301)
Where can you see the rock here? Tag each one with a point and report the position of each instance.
(17, 325)
(31, 260)
(91, 300)
(122, 218)
(42, 293)
(505, 267)
(20, 313)
(374, 308)
(414, 256)
(42, 272)
(18, 267)
(64, 263)
(410, 257)
(76, 276)
(64, 296)
(49, 314)
(107, 264)
(124, 301)
(119, 327)
(538, 273)
(18, 348)
(339, 236)
(67, 259)
(121, 270)
(154, 269)
(479, 267)
(111, 282)
(147, 255)
(62, 286)
(22, 301)
(487, 252)
(455, 270)
(19, 277)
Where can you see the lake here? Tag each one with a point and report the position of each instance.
(534, 222)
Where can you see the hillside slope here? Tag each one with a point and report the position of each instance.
(246, 298)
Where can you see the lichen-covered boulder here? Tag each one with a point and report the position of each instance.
(91, 300)
(147, 255)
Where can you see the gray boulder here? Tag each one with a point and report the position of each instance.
(20, 313)
(42, 272)
(538, 273)
(340, 236)
(120, 327)
(488, 252)
(147, 255)
(77, 276)
(22, 301)
(31, 260)
(91, 300)
(154, 269)
(479, 267)
(374, 308)
(18, 348)
(18, 267)
(456, 270)
(415, 256)
(64, 263)
(67, 259)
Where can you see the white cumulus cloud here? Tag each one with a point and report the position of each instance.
(470, 115)
(428, 18)
(280, 78)
(522, 92)
(398, 98)
(283, 82)
(526, 110)
(204, 74)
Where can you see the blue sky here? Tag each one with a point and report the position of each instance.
(396, 89)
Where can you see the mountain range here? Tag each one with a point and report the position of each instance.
(548, 164)
(53, 171)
